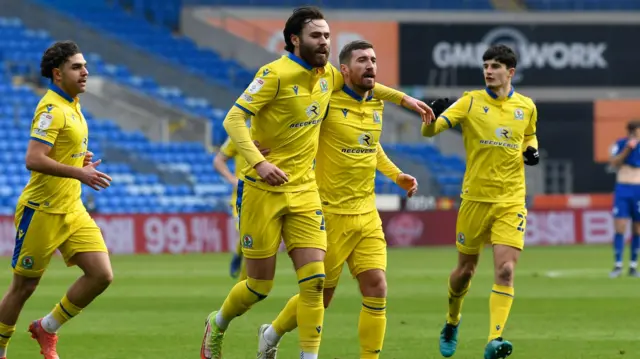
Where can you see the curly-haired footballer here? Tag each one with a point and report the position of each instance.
(50, 215)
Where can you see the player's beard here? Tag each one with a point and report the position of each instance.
(309, 55)
(363, 84)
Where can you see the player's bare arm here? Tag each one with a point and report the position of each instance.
(220, 164)
(391, 171)
(617, 160)
(37, 159)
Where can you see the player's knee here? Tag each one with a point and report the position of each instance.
(102, 279)
(505, 272)
(373, 284)
(311, 280)
(260, 287)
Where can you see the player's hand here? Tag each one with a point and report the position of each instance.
(439, 106)
(88, 157)
(531, 156)
(94, 178)
(420, 107)
(271, 174)
(632, 143)
(407, 183)
(264, 151)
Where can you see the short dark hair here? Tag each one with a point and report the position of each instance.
(56, 55)
(632, 126)
(502, 54)
(300, 17)
(348, 49)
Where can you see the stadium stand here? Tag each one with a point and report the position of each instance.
(134, 30)
(132, 191)
(167, 13)
(583, 5)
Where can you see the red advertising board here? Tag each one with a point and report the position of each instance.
(544, 227)
(152, 234)
(215, 232)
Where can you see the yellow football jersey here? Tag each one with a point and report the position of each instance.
(349, 153)
(229, 149)
(496, 131)
(59, 123)
(288, 100)
(288, 106)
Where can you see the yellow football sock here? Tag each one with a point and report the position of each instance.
(310, 314)
(6, 331)
(287, 320)
(455, 304)
(372, 326)
(242, 296)
(500, 303)
(65, 311)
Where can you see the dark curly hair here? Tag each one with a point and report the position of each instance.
(300, 17)
(56, 55)
(502, 54)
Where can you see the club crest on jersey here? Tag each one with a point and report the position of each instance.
(376, 117)
(324, 86)
(27, 262)
(504, 133)
(461, 238)
(486, 109)
(295, 89)
(518, 114)
(365, 139)
(265, 72)
(247, 241)
(345, 112)
(49, 108)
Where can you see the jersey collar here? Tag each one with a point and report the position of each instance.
(495, 96)
(53, 87)
(355, 95)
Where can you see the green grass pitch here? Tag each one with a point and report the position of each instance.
(566, 307)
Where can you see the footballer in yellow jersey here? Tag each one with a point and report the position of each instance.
(278, 196)
(228, 151)
(50, 215)
(499, 133)
(348, 156)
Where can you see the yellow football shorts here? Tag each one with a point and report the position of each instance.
(496, 223)
(357, 240)
(267, 217)
(39, 234)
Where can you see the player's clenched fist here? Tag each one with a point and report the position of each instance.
(407, 183)
(632, 143)
(93, 178)
(271, 174)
